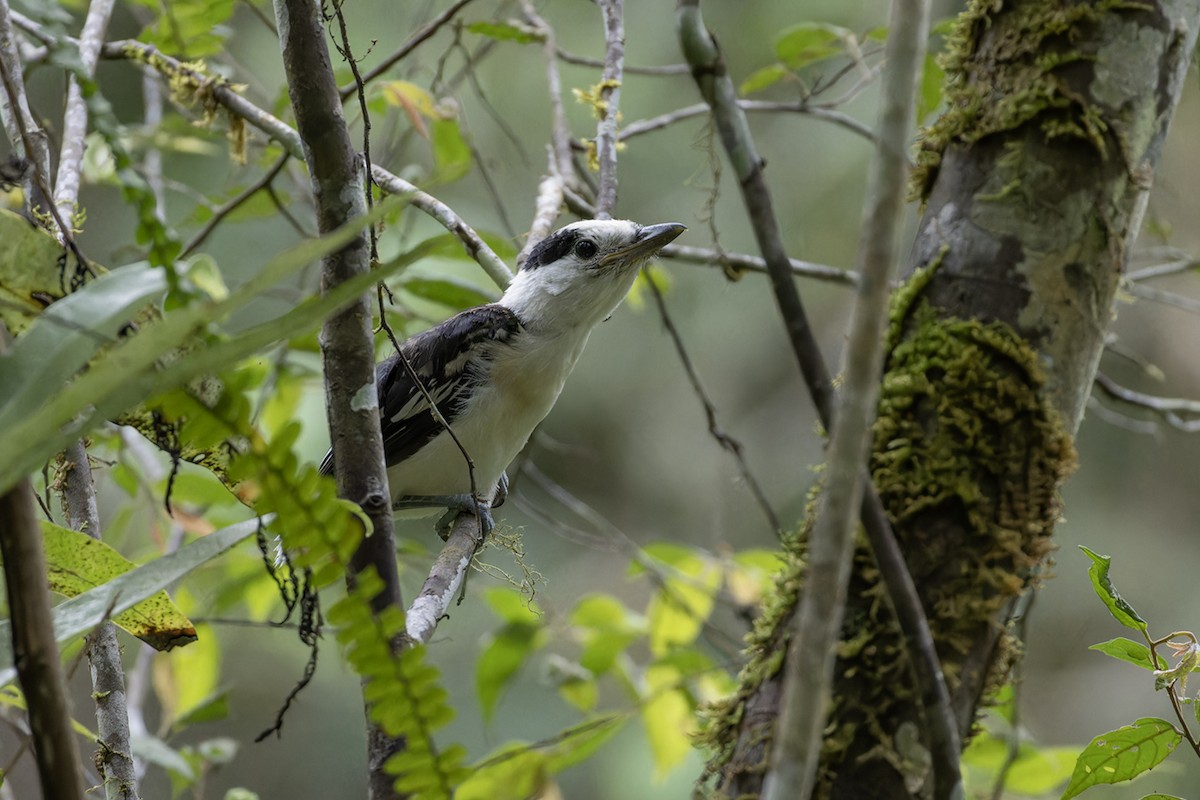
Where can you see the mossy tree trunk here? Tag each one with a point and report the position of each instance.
(1034, 183)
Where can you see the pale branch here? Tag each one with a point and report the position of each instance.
(273, 127)
(446, 578)
(1171, 261)
(419, 36)
(75, 118)
(27, 137)
(749, 263)
(347, 340)
(727, 442)
(608, 105)
(560, 132)
(1180, 413)
(801, 107)
(1169, 298)
(817, 619)
(115, 755)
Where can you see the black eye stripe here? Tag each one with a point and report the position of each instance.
(551, 249)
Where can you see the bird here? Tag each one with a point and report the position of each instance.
(495, 371)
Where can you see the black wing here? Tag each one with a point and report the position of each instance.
(441, 357)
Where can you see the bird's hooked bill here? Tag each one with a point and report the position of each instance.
(649, 240)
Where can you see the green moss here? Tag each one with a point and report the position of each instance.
(968, 457)
(1004, 68)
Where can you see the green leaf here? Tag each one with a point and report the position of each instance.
(194, 28)
(78, 563)
(668, 719)
(582, 693)
(682, 604)
(66, 335)
(1122, 612)
(451, 153)
(1123, 754)
(810, 42)
(762, 78)
(1126, 650)
(929, 93)
(1160, 796)
(503, 32)
(81, 614)
(456, 294)
(501, 659)
(125, 374)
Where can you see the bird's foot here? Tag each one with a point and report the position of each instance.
(455, 504)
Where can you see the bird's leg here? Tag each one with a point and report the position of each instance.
(455, 504)
(501, 493)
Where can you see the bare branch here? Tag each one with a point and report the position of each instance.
(584, 61)
(749, 263)
(609, 105)
(421, 35)
(818, 617)
(446, 577)
(1180, 413)
(727, 442)
(224, 95)
(687, 112)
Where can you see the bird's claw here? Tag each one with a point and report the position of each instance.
(466, 505)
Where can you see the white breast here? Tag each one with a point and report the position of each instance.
(524, 380)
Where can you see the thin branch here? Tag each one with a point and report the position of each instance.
(609, 104)
(419, 36)
(228, 207)
(818, 618)
(749, 263)
(446, 577)
(715, 85)
(584, 61)
(727, 442)
(1154, 294)
(1179, 413)
(802, 107)
(224, 95)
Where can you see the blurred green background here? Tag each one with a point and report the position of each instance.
(629, 436)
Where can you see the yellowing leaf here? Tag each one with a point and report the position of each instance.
(415, 101)
(77, 563)
(667, 718)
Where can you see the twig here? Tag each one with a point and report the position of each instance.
(276, 129)
(1179, 413)
(584, 61)
(419, 36)
(748, 263)
(1163, 296)
(802, 107)
(231, 205)
(727, 442)
(818, 618)
(609, 105)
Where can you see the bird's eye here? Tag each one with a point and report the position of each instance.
(585, 249)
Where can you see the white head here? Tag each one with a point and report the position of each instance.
(579, 274)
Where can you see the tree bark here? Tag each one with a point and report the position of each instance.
(1034, 182)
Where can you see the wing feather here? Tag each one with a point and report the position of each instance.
(446, 359)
